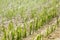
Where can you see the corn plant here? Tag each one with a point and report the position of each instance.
(19, 33)
(50, 29)
(13, 35)
(44, 13)
(33, 13)
(4, 33)
(10, 26)
(40, 22)
(36, 24)
(47, 32)
(24, 31)
(54, 27)
(30, 28)
(57, 20)
(22, 12)
(39, 37)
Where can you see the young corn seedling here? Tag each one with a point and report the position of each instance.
(30, 29)
(57, 21)
(54, 27)
(13, 35)
(33, 26)
(10, 26)
(4, 33)
(44, 14)
(53, 12)
(48, 31)
(19, 33)
(37, 25)
(25, 31)
(39, 37)
(22, 12)
(40, 20)
(43, 19)
(40, 23)
(8, 35)
(33, 13)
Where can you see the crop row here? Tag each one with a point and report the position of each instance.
(48, 31)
